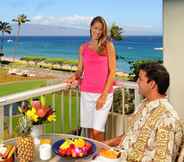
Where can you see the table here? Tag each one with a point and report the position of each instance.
(56, 137)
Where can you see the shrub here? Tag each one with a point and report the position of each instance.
(1, 54)
(129, 105)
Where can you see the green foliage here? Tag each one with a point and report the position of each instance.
(61, 61)
(24, 126)
(55, 60)
(129, 105)
(33, 58)
(20, 86)
(1, 54)
(50, 60)
(4, 62)
(21, 19)
(116, 32)
(134, 67)
(71, 62)
(4, 28)
(43, 100)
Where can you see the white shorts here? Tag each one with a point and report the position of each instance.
(89, 116)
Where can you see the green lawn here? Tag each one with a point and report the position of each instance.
(60, 126)
(20, 86)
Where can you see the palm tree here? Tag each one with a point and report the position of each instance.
(21, 19)
(4, 28)
(116, 32)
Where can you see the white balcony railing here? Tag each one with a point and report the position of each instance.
(65, 103)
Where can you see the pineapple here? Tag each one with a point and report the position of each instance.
(24, 142)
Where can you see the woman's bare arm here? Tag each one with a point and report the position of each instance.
(112, 70)
(112, 67)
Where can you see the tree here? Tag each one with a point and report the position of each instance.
(4, 28)
(134, 67)
(21, 19)
(116, 32)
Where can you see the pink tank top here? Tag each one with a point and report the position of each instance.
(95, 71)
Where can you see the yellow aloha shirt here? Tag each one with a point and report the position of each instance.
(154, 134)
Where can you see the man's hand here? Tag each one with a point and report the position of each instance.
(115, 141)
(100, 102)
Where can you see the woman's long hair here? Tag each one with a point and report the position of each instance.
(102, 41)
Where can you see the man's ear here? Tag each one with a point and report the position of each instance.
(153, 84)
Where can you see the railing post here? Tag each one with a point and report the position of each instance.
(70, 108)
(10, 129)
(1, 123)
(123, 109)
(54, 107)
(77, 109)
(62, 111)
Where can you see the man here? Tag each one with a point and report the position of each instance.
(155, 133)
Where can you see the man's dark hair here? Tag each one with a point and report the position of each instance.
(158, 73)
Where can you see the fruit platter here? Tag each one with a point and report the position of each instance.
(74, 148)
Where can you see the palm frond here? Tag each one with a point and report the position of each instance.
(5, 27)
(21, 19)
(116, 32)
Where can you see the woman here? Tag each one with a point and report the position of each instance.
(96, 72)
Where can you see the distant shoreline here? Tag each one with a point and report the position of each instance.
(54, 66)
(7, 36)
(131, 48)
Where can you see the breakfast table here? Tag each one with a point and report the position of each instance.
(56, 158)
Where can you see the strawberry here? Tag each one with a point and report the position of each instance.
(68, 151)
(62, 152)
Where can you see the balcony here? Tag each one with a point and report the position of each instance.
(65, 101)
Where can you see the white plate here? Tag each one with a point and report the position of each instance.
(104, 159)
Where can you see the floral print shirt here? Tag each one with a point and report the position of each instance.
(159, 141)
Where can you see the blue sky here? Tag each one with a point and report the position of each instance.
(135, 16)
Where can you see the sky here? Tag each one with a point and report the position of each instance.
(135, 16)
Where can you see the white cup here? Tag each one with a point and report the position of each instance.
(45, 151)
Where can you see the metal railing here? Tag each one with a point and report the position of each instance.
(130, 98)
(63, 99)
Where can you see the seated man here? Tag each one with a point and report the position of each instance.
(155, 133)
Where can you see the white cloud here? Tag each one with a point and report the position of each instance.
(67, 21)
(141, 30)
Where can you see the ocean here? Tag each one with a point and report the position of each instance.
(129, 49)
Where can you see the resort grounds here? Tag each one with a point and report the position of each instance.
(22, 75)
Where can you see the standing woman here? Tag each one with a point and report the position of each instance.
(96, 73)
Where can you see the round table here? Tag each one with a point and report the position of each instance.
(54, 138)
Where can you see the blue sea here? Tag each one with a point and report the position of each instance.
(129, 49)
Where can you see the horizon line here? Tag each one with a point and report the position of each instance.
(71, 35)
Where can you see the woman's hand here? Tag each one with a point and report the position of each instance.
(100, 102)
(72, 81)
